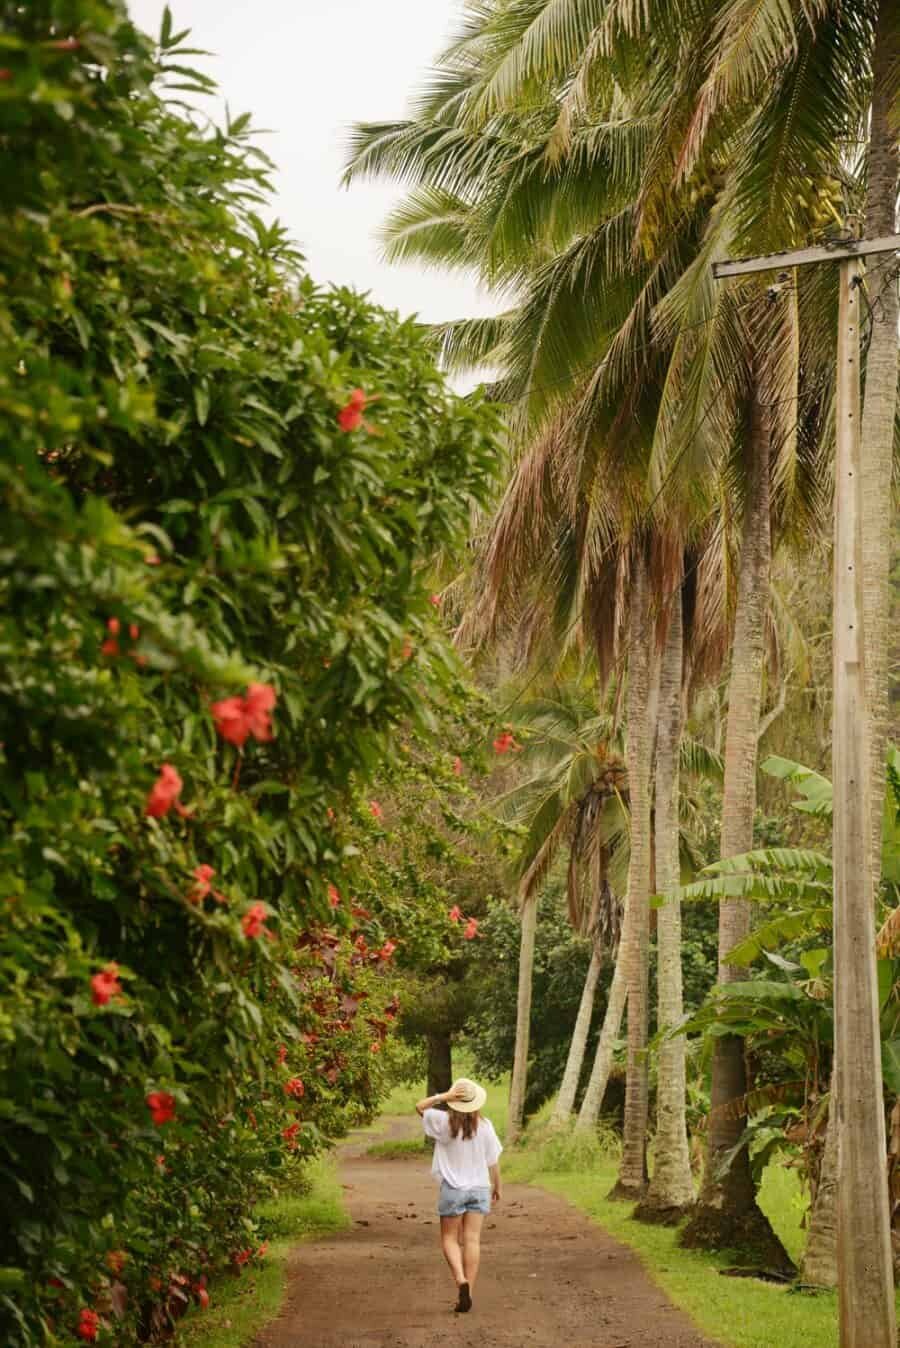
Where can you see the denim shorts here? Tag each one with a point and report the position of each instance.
(454, 1202)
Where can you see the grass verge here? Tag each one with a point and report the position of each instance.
(396, 1150)
(241, 1306)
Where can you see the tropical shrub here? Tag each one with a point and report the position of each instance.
(440, 861)
(220, 489)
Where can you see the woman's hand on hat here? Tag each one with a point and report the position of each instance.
(456, 1093)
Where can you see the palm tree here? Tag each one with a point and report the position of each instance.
(573, 797)
(518, 1081)
(671, 1190)
(552, 211)
(782, 95)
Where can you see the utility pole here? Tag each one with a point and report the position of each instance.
(865, 1266)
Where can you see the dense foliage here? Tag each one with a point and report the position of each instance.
(215, 615)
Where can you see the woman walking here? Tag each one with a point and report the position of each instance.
(466, 1161)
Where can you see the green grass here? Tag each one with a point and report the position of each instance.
(785, 1203)
(241, 1306)
(402, 1099)
(396, 1150)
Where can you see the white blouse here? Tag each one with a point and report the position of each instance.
(461, 1163)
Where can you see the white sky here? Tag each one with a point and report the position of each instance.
(306, 69)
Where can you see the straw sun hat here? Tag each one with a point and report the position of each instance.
(473, 1096)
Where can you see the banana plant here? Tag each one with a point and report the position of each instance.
(796, 883)
(786, 1012)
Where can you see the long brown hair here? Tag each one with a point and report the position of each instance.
(467, 1124)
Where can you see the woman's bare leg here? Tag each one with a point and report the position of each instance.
(451, 1230)
(471, 1246)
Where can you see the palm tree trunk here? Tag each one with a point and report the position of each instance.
(726, 1215)
(635, 947)
(518, 1083)
(671, 1190)
(879, 407)
(565, 1101)
(612, 1021)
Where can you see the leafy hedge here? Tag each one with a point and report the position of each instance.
(197, 509)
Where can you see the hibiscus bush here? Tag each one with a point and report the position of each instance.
(221, 488)
(429, 871)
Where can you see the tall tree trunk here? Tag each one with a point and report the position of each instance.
(865, 1273)
(518, 1083)
(671, 1190)
(440, 1063)
(726, 1215)
(565, 1101)
(635, 949)
(877, 434)
(612, 1022)
(879, 407)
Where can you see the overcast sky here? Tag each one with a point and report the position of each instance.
(306, 69)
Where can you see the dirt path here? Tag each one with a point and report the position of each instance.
(548, 1277)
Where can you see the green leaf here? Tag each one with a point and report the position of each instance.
(201, 402)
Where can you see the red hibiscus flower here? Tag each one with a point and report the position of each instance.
(203, 875)
(260, 703)
(408, 649)
(471, 929)
(164, 792)
(236, 718)
(455, 913)
(109, 647)
(253, 921)
(282, 1052)
(243, 1257)
(375, 810)
(162, 1107)
(113, 626)
(106, 985)
(88, 1326)
(115, 1261)
(387, 950)
(334, 897)
(504, 742)
(350, 415)
(134, 631)
(435, 599)
(375, 1047)
(457, 766)
(263, 1250)
(290, 1135)
(294, 1088)
(231, 720)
